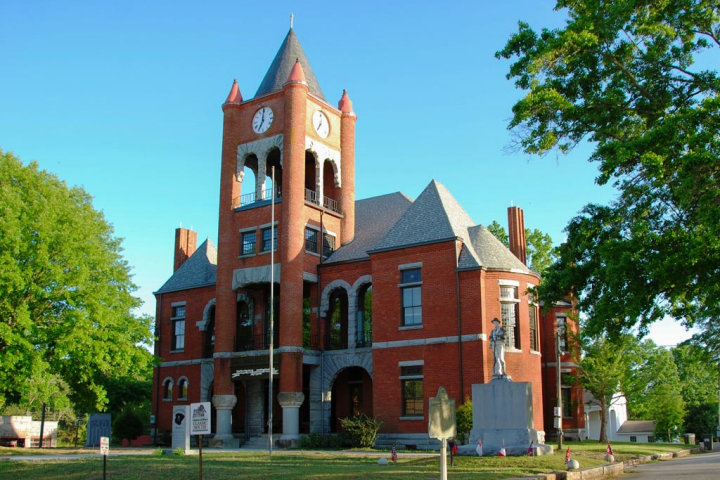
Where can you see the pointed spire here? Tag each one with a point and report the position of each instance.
(290, 52)
(345, 104)
(297, 75)
(234, 96)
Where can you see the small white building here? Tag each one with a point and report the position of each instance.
(641, 431)
(616, 416)
(23, 431)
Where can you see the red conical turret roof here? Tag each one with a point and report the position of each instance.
(345, 104)
(234, 96)
(297, 75)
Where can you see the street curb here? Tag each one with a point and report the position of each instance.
(609, 470)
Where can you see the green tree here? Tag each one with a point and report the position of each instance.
(654, 390)
(603, 368)
(540, 253)
(622, 75)
(67, 319)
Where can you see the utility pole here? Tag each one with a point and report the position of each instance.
(559, 337)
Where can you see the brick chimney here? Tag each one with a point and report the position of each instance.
(516, 232)
(185, 245)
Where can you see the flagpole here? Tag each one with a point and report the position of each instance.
(272, 311)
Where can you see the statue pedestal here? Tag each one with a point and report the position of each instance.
(503, 412)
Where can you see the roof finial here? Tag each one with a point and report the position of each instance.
(291, 21)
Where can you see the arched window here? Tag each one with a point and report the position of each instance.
(363, 337)
(243, 328)
(337, 320)
(249, 181)
(182, 388)
(310, 173)
(167, 389)
(273, 160)
(331, 192)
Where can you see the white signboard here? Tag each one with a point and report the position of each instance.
(200, 418)
(104, 445)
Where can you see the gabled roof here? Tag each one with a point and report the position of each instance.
(637, 426)
(433, 217)
(290, 51)
(394, 221)
(200, 270)
(370, 226)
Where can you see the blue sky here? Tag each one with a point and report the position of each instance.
(123, 99)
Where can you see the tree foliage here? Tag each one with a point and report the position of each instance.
(603, 369)
(66, 303)
(653, 388)
(540, 252)
(627, 76)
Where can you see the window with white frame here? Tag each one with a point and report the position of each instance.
(533, 316)
(266, 241)
(410, 288)
(510, 313)
(562, 337)
(178, 327)
(311, 240)
(411, 384)
(247, 243)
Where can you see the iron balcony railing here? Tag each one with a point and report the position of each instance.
(250, 198)
(326, 202)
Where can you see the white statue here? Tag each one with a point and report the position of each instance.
(497, 343)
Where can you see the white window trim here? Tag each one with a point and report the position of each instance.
(410, 266)
(411, 363)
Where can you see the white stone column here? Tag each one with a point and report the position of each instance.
(223, 405)
(290, 403)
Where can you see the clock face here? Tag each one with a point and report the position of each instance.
(321, 124)
(262, 120)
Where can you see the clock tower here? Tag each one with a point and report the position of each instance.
(287, 200)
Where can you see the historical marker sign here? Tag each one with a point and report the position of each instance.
(200, 418)
(441, 421)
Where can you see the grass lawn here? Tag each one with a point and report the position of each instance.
(309, 465)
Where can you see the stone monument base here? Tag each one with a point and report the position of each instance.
(503, 415)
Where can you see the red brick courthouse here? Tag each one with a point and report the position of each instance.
(378, 302)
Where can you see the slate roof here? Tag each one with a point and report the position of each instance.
(200, 270)
(394, 221)
(290, 51)
(373, 218)
(436, 216)
(637, 426)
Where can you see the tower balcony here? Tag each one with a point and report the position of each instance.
(311, 196)
(251, 198)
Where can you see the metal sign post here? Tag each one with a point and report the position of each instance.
(441, 424)
(200, 423)
(104, 450)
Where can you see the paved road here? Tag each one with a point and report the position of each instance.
(703, 466)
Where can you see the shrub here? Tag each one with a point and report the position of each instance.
(464, 421)
(127, 425)
(360, 430)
